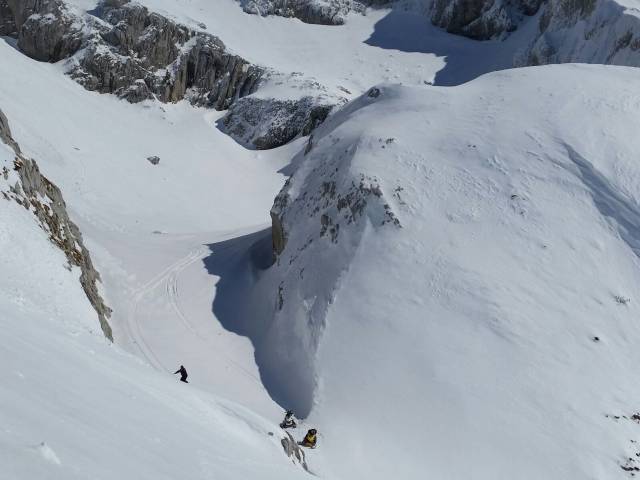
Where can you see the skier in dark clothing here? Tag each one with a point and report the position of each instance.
(183, 374)
(289, 421)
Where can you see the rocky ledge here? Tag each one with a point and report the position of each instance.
(268, 123)
(37, 194)
(124, 49)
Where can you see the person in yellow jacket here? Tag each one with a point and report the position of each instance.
(310, 439)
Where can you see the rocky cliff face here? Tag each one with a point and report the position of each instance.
(124, 49)
(268, 123)
(37, 194)
(131, 52)
(46, 29)
(589, 31)
(481, 19)
(323, 12)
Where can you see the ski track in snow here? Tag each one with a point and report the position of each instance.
(169, 280)
(170, 276)
(172, 287)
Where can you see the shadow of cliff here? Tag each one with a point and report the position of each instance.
(245, 306)
(465, 59)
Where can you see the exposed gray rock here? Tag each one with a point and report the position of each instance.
(154, 160)
(323, 12)
(591, 31)
(481, 19)
(131, 52)
(39, 195)
(142, 54)
(278, 233)
(269, 123)
(5, 134)
(293, 450)
(45, 29)
(136, 92)
(588, 31)
(7, 21)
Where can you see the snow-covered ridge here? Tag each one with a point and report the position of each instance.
(25, 185)
(483, 290)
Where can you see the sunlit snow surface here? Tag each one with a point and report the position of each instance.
(459, 346)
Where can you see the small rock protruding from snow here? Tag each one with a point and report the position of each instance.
(293, 450)
(48, 454)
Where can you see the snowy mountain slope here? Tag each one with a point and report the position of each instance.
(22, 182)
(140, 220)
(287, 45)
(446, 259)
(75, 406)
(491, 331)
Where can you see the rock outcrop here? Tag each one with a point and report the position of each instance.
(125, 49)
(39, 195)
(268, 123)
(46, 29)
(293, 450)
(131, 52)
(481, 19)
(323, 12)
(586, 31)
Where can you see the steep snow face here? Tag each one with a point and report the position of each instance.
(456, 286)
(74, 406)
